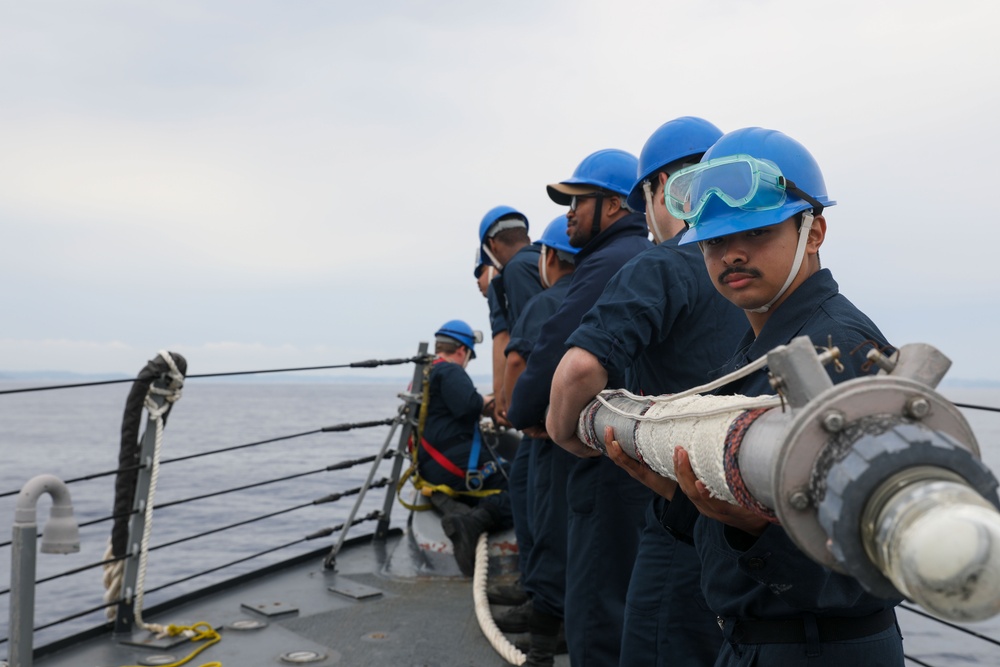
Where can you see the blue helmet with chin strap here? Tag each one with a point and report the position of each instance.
(498, 214)
(750, 178)
(556, 236)
(459, 332)
(495, 215)
(610, 170)
(672, 142)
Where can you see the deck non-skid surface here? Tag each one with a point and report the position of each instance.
(415, 622)
(427, 623)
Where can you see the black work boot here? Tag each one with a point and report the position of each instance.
(507, 595)
(524, 645)
(515, 619)
(464, 530)
(544, 631)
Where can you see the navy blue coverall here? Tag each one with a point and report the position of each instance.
(453, 412)
(517, 283)
(662, 322)
(606, 505)
(498, 320)
(768, 577)
(512, 288)
(545, 569)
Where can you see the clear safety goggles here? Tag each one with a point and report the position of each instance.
(741, 181)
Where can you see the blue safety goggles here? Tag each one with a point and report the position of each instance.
(741, 181)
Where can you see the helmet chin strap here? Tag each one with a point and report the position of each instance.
(647, 190)
(800, 252)
(544, 273)
(493, 258)
(595, 227)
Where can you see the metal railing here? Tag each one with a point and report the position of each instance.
(401, 423)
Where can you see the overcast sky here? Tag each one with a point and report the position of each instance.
(260, 184)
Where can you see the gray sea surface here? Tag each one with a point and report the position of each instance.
(75, 432)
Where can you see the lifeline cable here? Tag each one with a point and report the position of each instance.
(368, 363)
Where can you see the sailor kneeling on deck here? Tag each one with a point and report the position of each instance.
(451, 457)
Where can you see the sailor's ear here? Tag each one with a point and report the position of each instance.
(817, 234)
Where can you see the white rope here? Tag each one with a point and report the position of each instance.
(112, 576)
(752, 367)
(113, 573)
(497, 639)
(750, 403)
(827, 355)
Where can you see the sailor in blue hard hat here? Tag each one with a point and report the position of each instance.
(662, 325)
(595, 194)
(755, 206)
(732, 193)
(545, 562)
(449, 453)
(457, 331)
(504, 243)
(606, 507)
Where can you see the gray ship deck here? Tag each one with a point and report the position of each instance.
(410, 618)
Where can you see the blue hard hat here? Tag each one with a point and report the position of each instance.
(556, 236)
(459, 331)
(684, 137)
(495, 215)
(609, 169)
(795, 163)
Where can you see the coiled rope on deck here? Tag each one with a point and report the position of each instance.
(157, 414)
(198, 632)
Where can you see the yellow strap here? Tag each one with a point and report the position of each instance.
(423, 486)
(201, 631)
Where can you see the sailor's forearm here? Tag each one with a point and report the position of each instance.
(577, 380)
(500, 341)
(512, 371)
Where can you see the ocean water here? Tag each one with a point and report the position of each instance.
(75, 432)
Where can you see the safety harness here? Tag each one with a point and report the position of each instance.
(474, 475)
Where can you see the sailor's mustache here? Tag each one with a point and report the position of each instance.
(745, 270)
